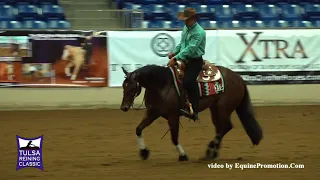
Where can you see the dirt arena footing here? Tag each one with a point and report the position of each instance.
(101, 144)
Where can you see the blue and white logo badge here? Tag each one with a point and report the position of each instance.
(29, 152)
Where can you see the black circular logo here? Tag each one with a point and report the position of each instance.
(162, 44)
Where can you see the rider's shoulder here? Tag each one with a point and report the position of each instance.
(201, 30)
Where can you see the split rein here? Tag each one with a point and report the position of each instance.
(139, 108)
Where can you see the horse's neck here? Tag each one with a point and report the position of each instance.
(155, 85)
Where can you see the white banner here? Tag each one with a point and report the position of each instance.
(134, 49)
(269, 50)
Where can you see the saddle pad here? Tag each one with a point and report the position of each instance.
(211, 88)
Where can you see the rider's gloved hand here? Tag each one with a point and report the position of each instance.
(172, 62)
(171, 55)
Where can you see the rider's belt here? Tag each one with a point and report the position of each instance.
(195, 59)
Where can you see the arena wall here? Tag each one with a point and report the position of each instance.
(64, 98)
(37, 99)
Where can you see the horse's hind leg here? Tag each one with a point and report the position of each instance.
(222, 122)
(148, 118)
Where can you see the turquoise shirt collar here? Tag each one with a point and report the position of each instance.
(192, 25)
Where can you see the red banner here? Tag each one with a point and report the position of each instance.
(53, 60)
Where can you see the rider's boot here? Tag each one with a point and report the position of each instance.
(186, 113)
(195, 107)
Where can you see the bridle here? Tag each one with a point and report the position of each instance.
(138, 88)
(137, 93)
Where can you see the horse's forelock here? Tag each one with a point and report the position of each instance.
(134, 76)
(127, 78)
(131, 76)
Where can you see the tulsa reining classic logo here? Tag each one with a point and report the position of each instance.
(29, 152)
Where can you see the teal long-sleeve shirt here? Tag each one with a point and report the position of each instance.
(192, 44)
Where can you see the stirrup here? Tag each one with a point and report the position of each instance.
(187, 114)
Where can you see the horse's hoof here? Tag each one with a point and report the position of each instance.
(144, 154)
(211, 154)
(183, 158)
(215, 155)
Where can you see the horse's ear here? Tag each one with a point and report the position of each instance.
(124, 71)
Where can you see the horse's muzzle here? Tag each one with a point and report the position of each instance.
(125, 108)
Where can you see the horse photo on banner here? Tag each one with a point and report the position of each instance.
(12, 50)
(67, 60)
(10, 70)
(134, 49)
(14, 46)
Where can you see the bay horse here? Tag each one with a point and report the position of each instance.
(162, 99)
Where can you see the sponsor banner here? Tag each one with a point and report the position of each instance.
(289, 77)
(271, 56)
(14, 46)
(76, 59)
(269, 50)
(134, 49)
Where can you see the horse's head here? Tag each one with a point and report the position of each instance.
(66, 52)
(131, 89)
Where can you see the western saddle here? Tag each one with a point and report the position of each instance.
(207, 73)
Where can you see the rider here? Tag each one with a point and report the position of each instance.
(87, 45)
(190, 50)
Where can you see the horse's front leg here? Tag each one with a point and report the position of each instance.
(76, 69)
(148, 118)
(173, 122)
(67, 69)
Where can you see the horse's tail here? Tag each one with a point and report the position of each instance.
(248, 120)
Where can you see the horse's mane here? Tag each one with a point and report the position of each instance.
(151, 74)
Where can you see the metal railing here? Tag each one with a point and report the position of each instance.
(118, 19)
(104, 19)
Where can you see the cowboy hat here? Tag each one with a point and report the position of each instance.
(187, 14)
